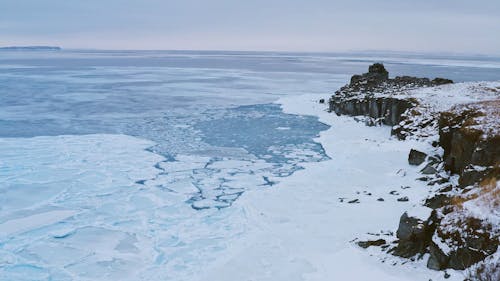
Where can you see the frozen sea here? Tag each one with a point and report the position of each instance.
(125, 165)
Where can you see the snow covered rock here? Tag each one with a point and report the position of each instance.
(375, 95)
(468, 239)
(464, 120)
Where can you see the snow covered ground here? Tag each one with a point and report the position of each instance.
(301, 230)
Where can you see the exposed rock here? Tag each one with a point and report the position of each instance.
(403, 199)
(321, 100)
(370, 94)
(424, 178)
(414, 235)
(366, 244)
(441, 81)
(378, 70)
(438, 180)
(353, 201)
(416, 157)
(437, 259)
(470, 137)
(438, 201)
(471, 240)
(429, 170)
(383, 110)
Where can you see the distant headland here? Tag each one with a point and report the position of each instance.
(30, 48)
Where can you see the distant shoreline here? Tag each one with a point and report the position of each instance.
(30, 48)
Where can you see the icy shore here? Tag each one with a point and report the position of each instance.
(358, 195)
(310, 233)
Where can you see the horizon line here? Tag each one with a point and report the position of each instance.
(61, 48)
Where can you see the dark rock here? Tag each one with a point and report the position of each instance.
(411, 234)
(357, 97)
(380, 199)
(394, 192)
(437, 259)
(434, 160)
(378, 69)
(416, 157)
(465, 145)
(438, 201)
(353, 201)
(446, 188)
(383, 110)
(439, 180)
(424, 178)
(322, 101)
(376, 74)
(409, 227)
(471, 175)
(441, 81)
(471, 239)
(366, 244)
(428, 170)
(463, 258)
(403, 199)
(414, 235)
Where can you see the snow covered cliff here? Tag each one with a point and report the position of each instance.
(462, 122)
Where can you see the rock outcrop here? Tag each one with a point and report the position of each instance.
(371, 94)
(416, 157)
(469, 135)
(414, 235)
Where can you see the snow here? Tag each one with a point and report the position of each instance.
(486, 206)
(443, 97)
(300, 230)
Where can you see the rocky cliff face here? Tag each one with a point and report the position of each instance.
(374, 95)
(456, 235)
(468, 134)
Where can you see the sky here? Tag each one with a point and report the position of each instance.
(444, 26)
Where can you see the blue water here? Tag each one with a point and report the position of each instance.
(136, 158)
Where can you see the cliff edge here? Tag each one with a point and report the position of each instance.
(462, 122)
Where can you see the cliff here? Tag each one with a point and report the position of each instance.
(463, 122)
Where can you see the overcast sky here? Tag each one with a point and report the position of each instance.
(458, 26)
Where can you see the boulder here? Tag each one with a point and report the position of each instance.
(416, 157)
(437, 201)
(441, 81)
(429, 170)
(414, 235)
(366, 244)
(438, 260)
